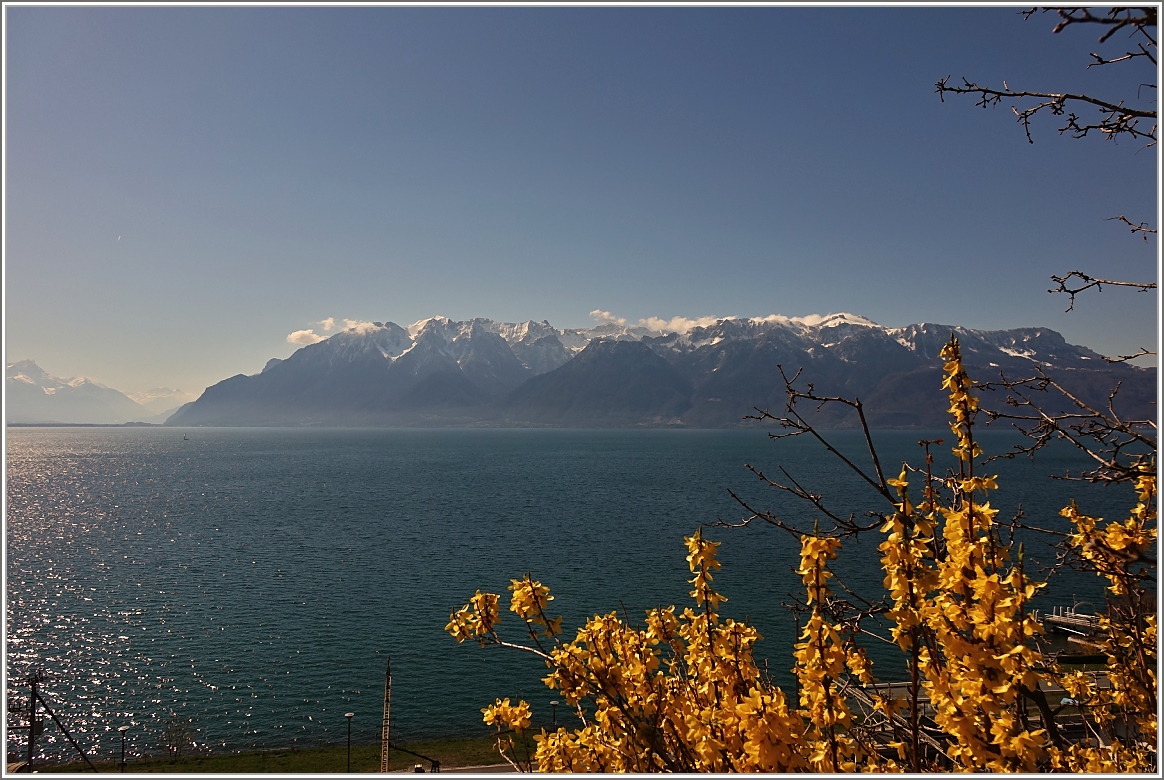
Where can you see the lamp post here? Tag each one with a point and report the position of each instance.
(349, 716)
(554, 709)
(123, 729)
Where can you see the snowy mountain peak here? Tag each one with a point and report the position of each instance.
(28, 372)
(34, 396)
(521, 332)
(844, 318)
(419, 325)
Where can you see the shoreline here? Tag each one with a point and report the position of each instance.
(464, 755)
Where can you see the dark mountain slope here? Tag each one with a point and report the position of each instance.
(609, 383)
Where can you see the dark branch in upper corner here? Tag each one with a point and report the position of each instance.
(1116, 118)
(1116, 19)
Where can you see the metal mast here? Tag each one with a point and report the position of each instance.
(384, 743)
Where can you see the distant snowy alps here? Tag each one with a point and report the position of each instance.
(682, 372)
(33, 396)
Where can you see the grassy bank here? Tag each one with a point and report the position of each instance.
(452, 753)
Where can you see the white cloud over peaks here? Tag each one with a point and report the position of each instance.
(605, 318)
(679, 324)
(778, 319)
(658, 324)
(360, 326)
(307, 336)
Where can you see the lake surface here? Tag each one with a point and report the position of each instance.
(255, 581)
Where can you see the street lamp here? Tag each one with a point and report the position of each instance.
(349, 716)
(123, 729)
(554, 708)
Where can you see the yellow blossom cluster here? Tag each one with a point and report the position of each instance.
(530, 601)
(477, 619)
(502, 713)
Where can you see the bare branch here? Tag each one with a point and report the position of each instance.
(799, 426)
(1116, 19)
(1142, 227)
(1133, 356)
(1090, 281)
(1116, 118)
(1142, 52)
(1121, 449)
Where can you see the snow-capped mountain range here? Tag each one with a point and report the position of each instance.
(33, 396)
(440, 371)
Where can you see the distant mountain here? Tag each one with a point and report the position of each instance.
(159, 403)
(160, 400)
(480, 372)
(32, 396)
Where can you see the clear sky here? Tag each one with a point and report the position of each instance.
(187, 186)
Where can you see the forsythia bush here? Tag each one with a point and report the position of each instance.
(683, 691)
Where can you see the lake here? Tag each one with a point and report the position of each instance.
(255, 581)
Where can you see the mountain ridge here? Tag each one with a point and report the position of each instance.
(440, 371)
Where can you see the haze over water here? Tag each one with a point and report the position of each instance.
(256, 580)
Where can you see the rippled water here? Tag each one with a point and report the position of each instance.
(255, 581)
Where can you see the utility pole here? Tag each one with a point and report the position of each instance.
(349, 716)
(384, 743)
(34, 726)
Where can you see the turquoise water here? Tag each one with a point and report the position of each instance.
(255, 581)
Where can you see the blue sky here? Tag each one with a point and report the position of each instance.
(187, 186)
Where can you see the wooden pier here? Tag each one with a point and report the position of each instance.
(1066, 620)
(885, 730)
